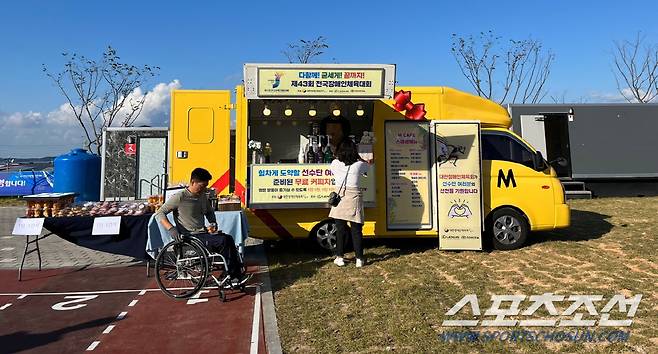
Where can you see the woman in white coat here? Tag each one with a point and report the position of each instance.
(347, 168)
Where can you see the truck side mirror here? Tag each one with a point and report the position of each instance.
(538, 161)
(561, 161)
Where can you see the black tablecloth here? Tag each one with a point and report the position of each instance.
(131, 240)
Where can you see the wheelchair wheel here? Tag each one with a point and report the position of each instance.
(181, 269)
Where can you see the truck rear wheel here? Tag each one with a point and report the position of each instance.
(508, 229)
(324, 235)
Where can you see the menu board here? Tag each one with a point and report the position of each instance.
(459, 185)
(287, 185)
(408, 197)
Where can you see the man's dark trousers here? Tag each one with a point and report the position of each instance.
(223, 244)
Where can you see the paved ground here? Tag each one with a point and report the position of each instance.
(69, 310)
(55, 252)
(86, 300)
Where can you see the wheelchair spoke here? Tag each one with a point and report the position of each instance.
(170, 275)
(169, 262)
(169, 265)
(170, 259)
(190, 270)
(181, 269)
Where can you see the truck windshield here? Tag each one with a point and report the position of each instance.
(498, 146)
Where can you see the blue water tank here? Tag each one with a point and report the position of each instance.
(79, 172)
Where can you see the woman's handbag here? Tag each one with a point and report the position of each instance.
(334, 198)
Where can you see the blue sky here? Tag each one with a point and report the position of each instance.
(204, 44)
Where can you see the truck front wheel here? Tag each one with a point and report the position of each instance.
(508, 229)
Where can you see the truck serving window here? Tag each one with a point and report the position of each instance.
(505, 148)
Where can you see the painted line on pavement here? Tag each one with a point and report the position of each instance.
(122, 315)
(99, 292)
(83, 292)
(133, 303)
(23, 296)
(93, 345)
(108, 329)
(255, 323)
(5, 306)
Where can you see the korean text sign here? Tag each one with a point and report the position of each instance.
(298, 183)
(308, 82)
(25, 183)
(459, 178)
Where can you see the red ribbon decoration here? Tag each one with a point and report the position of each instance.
(403, 103)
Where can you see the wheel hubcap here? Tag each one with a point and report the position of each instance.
(326, 236)
(507, 229)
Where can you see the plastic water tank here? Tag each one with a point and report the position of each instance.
(78, 171)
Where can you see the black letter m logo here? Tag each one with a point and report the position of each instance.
(506, 179)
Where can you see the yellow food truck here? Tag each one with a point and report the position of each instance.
(444, 163)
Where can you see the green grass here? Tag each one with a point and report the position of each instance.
(398, 301)
(11, 201)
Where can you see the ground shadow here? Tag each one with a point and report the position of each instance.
(298, 259)
(585, 225)
(230, 294)
(45, 273)
(397, 247)
(292, 260)
(21, 340)
(30, 274)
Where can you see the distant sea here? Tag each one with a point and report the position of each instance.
(4, 160)
(26, 164)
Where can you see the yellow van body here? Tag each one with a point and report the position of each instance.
(538, 195)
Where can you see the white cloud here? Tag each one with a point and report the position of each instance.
(35, 134)
(616, 97)
(606, 97)
(156, 108)
(19, 119)
(63, 116)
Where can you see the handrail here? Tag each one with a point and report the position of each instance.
(160, 185)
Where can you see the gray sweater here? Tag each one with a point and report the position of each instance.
(189, 210)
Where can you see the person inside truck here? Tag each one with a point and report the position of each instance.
(189, 207)
(336, 128)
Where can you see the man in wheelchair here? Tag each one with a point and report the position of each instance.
(189, 207)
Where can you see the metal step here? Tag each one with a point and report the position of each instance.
(578, 194)
(573, 185)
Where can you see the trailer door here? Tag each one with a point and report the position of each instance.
(151, 165)
(200, 135)
(533, 131)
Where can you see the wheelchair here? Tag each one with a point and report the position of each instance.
(182, 269)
